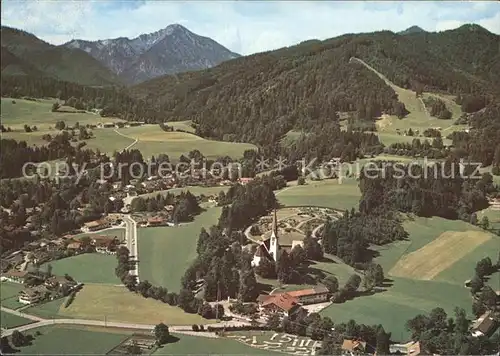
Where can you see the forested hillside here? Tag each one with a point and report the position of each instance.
(261, 97)
(73, 65)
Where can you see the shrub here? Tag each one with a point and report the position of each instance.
(195, 327)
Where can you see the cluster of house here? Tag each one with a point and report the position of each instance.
(45, 289)
(106, 125)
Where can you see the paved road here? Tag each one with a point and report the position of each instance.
(38, 322)
(131, 241)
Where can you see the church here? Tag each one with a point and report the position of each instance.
(269, 248)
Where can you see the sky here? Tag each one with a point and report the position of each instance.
(244, 27)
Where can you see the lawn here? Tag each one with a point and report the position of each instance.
(56, 340)
(182, 125)
(118, 232)
(402, 301)
(9, 290)
(8, 320)
(99, 301)
(9, 293)
(47, 310)
(166, 252)
(152, 140)
(196, 190)
(38, 113)
(107, 141)
(197, 345)
(326, 193)
(408, 297)
(87, 268)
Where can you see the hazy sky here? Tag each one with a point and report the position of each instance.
(243, 26)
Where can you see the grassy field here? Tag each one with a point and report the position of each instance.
(107, 141)
(118, 232)
(152, 140)
(439, 255)
(418, 118)
(328, 193)
(404, 298)
(194, 190)
(9, 294)
(87, 268)
(166, 252)
(38, 113)
(8, 320)
(99, 301)
(47, 310)
(57, 340)
(196, 345)
(182, 125)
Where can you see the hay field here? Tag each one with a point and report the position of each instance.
(120, 305)
(435, 257)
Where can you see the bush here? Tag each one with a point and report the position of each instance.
(202, 327)
(70, 299)
(195, 327)
(495, 171)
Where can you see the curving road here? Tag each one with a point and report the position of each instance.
(133, 143)
(131, 240)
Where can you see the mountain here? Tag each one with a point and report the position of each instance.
(259, 98)
(173, 49)
(28, 55)
(410, 30)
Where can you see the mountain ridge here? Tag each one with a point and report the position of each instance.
(170, 50)
(24, 50)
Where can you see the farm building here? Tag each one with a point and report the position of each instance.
(95, 225)
(280, 303)
(484, 325)
(411, 348)
(74, 245)
(59, 281)
(14, 276)
(156, 221)
(353, 346)
(311, 296)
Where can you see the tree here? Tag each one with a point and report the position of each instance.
(312, 248)
(301, 180)
(206, 311)
(298, 255)
(383, 341)
(49, 270)
(274, 322)
(332, 283)
(284, 268)
(485, 223)
(476, 284)
(55, 106)
(60, 125)
(161, 333)
(185, 300)
(353, 283)
(17, 338)
(266, 268)
(484, 267)
(218, 311)
(195, 327)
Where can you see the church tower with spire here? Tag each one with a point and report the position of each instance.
(274, 247)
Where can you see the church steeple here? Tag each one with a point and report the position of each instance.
(275, 225)
(274, 247)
